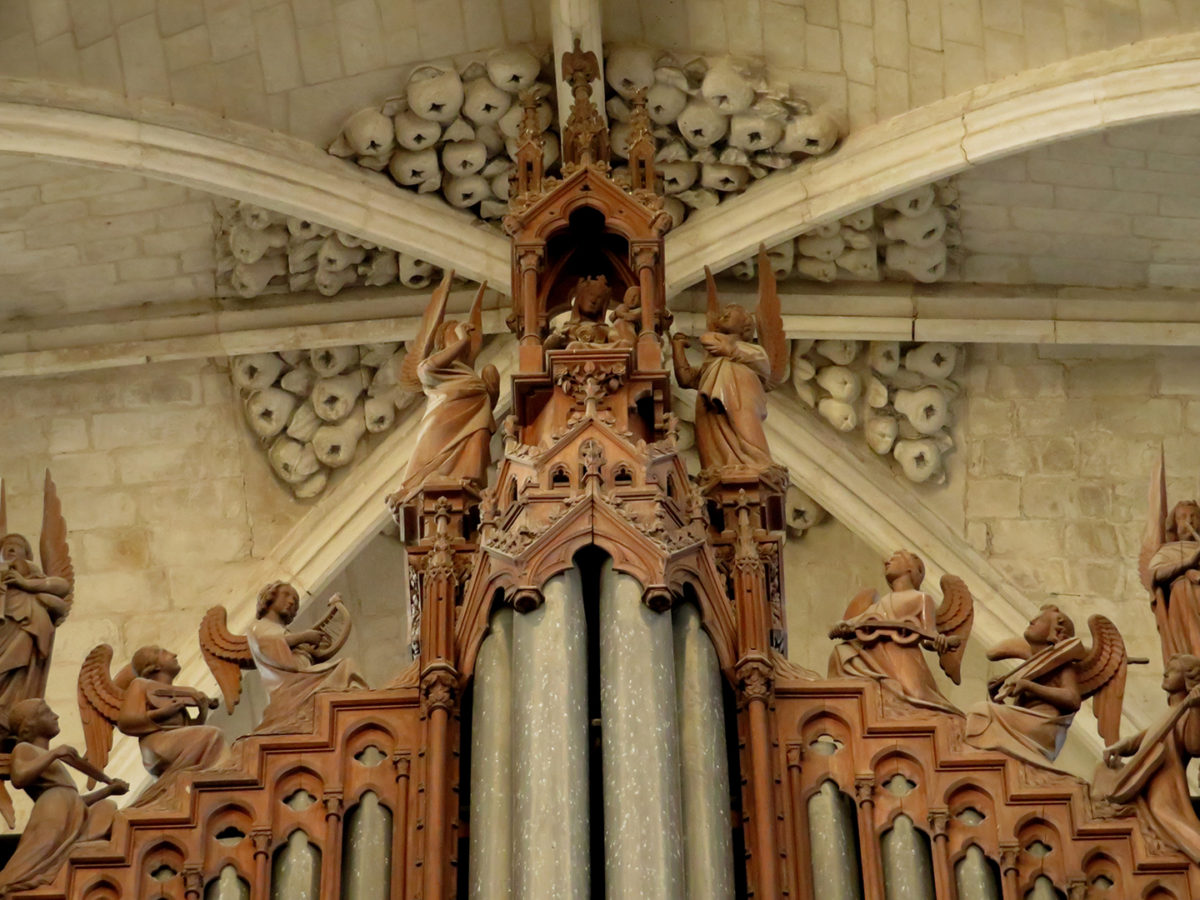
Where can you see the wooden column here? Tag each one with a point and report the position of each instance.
(331, 858)
(261, 888)
(943, 874)
(868, 842)
(1010, 877)
(403, 764)
(799, 851)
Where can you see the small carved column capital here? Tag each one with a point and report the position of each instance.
(261, 838)
(402, 761)
(756, 677)
(526, 599)
(1077, 888)
(864, 790)
(439, 689)
(1008, 858)
(193, 882)
(939, 821)
(795, 756)
(333, 805)
(658, 597)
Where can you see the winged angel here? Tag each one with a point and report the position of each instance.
(143, 702)
(294, 665)
(884, 637)
(1169, 565)
(736, 374)
(1032, 706)
(454, 437)
(35, 602)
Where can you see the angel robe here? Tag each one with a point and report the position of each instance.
(456, 430)
(1176, 597)
(1033, 735)
(26, 638)
(291, 681)
(731, 407)
(59, 820)
(900, 668)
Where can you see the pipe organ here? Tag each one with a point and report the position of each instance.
(599, 705)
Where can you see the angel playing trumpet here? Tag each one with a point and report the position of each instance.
(144, 702)
(736, 374)
(1032, 706)
(294, 665)
(1169, 566)
(884, 638)
(455, 434)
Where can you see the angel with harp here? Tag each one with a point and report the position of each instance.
(144, 702)
(35, 602)
(294, 665)
(884, 638)
(733, 380)
(1032, 706)
(455, 434)
(1169, 566)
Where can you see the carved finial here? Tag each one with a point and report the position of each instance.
(529, 171)
(585, 139)
(641, 145)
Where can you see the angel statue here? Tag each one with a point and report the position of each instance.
(1154, 779)
(883, 638)
(294, 665)
(733, 380)
(35, 601)
(587, 324)
(144, 702)
(1055, 676)
(455, 434)
(61, 816)
(1169, 565)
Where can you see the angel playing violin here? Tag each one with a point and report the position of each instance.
(455, 434)
(35, 602)
(884, 638)
(1032, 706)
(733, 380)
(144, 702)
(1169, 566)
(294, 665)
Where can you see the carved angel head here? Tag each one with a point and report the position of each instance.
(32, 718)
(591, 298)
(149, 661)
(904, 562)
(1050, 626)
(280, 597)
(15, 547)
(1184, 522)
(735, 320)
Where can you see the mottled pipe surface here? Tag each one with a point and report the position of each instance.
(550, 734)
(227, 886)
(643, 847)
(976, 880)
(491, 764)
(367, 850)
(907, 862)
(1043, 889)
(704, 769)
(296, 874)
(833, 845)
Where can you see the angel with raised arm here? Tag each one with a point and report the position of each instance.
(736, 374)
(34, 603)
(61, 816)
(1032, 706)
(884, 638)
(1169, 565)
(144, 702)
(294, 665)
(455, 434)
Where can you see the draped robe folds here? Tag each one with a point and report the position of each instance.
(1177, 597)
(291, 681)
(58, 821)
(26, 638)
(1033, 735)
(900, 668)
(732, 406)
(456, 430)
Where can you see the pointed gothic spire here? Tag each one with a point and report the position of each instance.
(585, 139)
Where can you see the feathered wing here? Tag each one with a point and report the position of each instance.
(226, 654)
(56, 556)
(420, 349)
(1156, 517)
(954, 618)
(1101, 676)
(3, 509)
(769, 319)
(100, 700)
(862, 601)
(475, 317)
(712, 312)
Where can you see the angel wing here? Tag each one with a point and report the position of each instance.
(476, 319)
(56, 556)
(954, 618)
(100, 699)
(862, 601)
(423, 346)
(1156, 516)
(226, 654)
(3, 509)
(768, 319)
(1101, 676)
(713, 311)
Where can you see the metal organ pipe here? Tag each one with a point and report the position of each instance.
(907, 862)
(833, 845)
(550, 754)
(975, 877)
(704, 770)
(491, 763)
(227, 886)
(296, 874)
(367, 850)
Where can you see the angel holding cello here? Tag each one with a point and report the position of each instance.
(733, 380)
(455, 434)
(294, 665)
